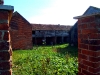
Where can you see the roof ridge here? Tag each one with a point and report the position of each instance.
(49, 27)
(91, 8)
(17, 13)
(95, 7)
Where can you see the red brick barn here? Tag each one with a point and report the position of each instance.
(21, 32)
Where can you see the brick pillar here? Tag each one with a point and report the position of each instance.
(1, 2)
(5, 48)
(89, 45)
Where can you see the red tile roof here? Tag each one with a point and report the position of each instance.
(50, 27)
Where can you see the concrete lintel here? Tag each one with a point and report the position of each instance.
(6, 7)
(82, 16)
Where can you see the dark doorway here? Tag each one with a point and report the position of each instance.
(59, 40)
(65, 39)
(50, 40)
(37, 40)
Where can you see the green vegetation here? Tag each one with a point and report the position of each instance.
(46, 60)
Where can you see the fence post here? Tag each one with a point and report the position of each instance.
(5, 47)
(89, 44)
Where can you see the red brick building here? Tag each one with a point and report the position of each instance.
(24, 34)
(21, 32)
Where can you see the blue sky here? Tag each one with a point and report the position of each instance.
(28, 7)
(51, 11)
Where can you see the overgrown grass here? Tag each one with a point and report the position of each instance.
(46, 60)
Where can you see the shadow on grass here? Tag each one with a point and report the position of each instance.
(70, 50)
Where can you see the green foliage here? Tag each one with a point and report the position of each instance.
(46, 60)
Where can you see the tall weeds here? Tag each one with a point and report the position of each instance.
(46, 60)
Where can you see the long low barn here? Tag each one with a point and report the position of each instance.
(51, 34)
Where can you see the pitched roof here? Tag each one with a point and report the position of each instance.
(49, 27)
(73, 31)
(92, 10)
(14, 20)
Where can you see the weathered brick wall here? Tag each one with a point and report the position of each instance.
(21, 32)
(89, 45)
(5, 49)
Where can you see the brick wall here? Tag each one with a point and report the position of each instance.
(5, 48)
(21, 32)
(89, 45)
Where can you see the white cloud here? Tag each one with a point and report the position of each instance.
(63, 11)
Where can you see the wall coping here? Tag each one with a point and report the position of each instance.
(9, 8)
(82, 16)
(6, 7)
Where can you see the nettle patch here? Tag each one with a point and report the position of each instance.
(46, 60)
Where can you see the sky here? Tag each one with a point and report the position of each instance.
(51, 11)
